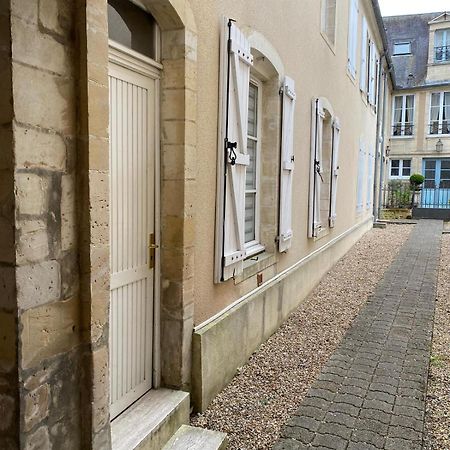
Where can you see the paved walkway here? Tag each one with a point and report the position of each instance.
(371, 393)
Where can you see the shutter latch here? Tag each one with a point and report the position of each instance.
(318, 170)
(231, 146)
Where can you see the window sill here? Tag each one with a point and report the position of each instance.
(434, 136)
(403, 137)
(254, 265)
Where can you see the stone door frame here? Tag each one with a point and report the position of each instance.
(178, 116)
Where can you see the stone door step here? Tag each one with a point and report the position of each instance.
(150, 422)
(192, 438)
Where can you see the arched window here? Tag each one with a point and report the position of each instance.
(132, 27)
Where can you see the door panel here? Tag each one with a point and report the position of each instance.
(132, 152)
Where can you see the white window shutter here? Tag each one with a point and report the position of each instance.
(370, 171)
(352, 37)
(372, 73)
(334, 171)
(364, 44)
(361, 161)
(314, 224)
(287, 166)
(233, 157)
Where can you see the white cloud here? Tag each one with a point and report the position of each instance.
(400, 7)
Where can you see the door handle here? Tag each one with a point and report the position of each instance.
(151, 251)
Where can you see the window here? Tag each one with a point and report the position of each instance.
(252, 187)
(329, 20)
(402, 48)
(324, 169)
(442, 45)
(440, 113)
(364, 71)
(400, 168)
(352, 37)
(403, 115)
(132, 27)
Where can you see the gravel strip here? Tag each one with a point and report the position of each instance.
(267, 391)
(437, 419)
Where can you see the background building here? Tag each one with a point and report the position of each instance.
(419, 125)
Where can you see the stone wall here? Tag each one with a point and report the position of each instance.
(44, 247)
(9, 394)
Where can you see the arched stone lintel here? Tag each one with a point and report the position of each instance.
(259, 42)
(170, 14)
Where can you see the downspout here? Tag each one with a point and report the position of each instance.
(380, 123)
(383, 130)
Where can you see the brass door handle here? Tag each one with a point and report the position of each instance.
(151, 254)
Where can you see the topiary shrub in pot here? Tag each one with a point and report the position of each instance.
(416, 180)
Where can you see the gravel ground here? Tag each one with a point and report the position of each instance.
(270, 387)
(437, 420)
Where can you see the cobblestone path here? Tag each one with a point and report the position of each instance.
(371, 393)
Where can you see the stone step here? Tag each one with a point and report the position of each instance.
(150, 422)
(192, 438)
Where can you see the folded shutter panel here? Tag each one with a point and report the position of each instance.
(335, 171)
(315, 169)
(363, 71)
(370, 170)
(287, 166)
(353, 37)
(361, 160)
(236, 62)
(372, 73)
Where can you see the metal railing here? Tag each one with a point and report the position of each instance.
(403, 129)
(397, 196)
(442, 53)
(434, 198)
(440, 128)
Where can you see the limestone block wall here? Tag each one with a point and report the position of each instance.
(42, 321)
(9, 395)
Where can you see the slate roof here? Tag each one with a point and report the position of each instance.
(410, 70)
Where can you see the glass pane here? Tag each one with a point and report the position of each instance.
(252, 110)
(399, 102)
(250, 180)
(445, 164)
(250, 209)
(406, 171)
(445, 175)
(402, 48)
(395, 163)
(406, 163)
(395, 172)
(430, 164)
(132, 27)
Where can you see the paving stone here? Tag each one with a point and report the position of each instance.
(299, 434)
(340, 418)
(330, 441)
(290, 444)
(306, 422)
(368, 437)
(372, 425)
(335, 429)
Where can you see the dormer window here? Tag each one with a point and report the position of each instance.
(442, 45)
(402, 48)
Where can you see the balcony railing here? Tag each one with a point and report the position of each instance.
(403, 129)
(442, 53)
(440, 128)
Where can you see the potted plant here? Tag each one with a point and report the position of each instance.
(416, 180)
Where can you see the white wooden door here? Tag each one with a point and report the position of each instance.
(132, 214)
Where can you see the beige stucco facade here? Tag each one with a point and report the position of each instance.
(55, 199)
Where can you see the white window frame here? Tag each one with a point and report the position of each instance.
(254, 247)
(441, 114)
(402, 43)
(352, 45)
(403, 118)
(445, 43)
(400, 175)
(331, 40)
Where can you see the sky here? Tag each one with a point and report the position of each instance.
(399, 7)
